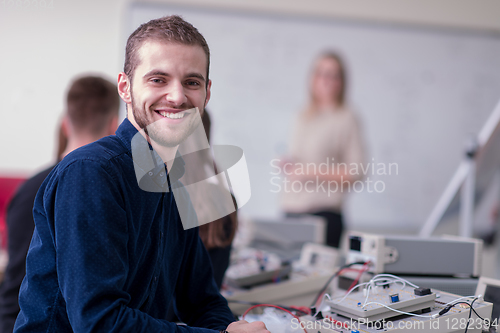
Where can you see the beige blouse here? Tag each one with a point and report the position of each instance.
(322, 141)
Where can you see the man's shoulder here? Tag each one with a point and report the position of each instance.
(107, 156)
(102, 151)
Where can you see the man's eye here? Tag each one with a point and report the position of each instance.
(192, 83)
(157, 80)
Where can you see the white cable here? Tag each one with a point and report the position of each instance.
(396, 277)
(352, 289)
(318, 309)
(386, 281)
(373, 280)
(458, 299)
(406, 313)
(367, 293)
(368, 289)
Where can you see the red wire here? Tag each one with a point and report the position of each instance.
(321, 295)
(271, 306)
(362, 270)
(342, 270)
(304, 309)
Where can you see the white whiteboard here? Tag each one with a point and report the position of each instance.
(420, 94)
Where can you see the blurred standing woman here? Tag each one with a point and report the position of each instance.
(326, 141)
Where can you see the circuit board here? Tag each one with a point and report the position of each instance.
(453, 321)
(458, 318)
(380, 303)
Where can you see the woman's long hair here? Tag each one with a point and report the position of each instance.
(219, 233)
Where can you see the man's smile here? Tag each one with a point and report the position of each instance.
(175, 114)
(172, 115)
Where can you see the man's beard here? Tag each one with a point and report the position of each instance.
(159, 132)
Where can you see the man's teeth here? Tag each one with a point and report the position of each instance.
(172, 115)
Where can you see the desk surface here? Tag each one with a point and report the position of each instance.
(299, 290)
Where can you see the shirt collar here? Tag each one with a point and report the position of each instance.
(150, 170)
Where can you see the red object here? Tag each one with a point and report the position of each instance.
(336, 322)
(362, 270)
(8, 186)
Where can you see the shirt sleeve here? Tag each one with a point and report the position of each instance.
(90, 236)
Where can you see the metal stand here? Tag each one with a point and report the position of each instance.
(467, 196)
(464, 179)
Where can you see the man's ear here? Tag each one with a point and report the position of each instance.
(124, 88)
(209, 92)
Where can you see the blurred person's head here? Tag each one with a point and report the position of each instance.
(165, 79)
(62, 140)
(328, 81)
(92, 105)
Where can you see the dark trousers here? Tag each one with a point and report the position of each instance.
(334, 225)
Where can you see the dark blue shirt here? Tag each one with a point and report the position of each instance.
(107, 256)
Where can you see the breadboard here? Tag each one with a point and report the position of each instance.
(452, 322)
(352, 305)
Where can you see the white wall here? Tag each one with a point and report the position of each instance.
(41, 49)
(478, 14)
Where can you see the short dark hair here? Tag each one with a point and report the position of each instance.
(168, 28)
(91, 102)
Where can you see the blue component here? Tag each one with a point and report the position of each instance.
(355, 331)
(394, 298)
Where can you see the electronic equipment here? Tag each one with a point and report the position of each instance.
(297, 285)
(490, 288)
(379, 304)
(406, 255)
(286, 237)
(453, 285)
(388, 303)
(453, 321)
(253, 267)
(262, 277)
(317, 255)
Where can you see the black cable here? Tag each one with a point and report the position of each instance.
(470, 314)
(322, 290)
(448, 308)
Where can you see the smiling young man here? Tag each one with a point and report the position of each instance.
(107, 256)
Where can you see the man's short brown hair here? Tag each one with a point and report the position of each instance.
(168, 28)
(92, 101)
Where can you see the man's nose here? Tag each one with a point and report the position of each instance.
(175, 94)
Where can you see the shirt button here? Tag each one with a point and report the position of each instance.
(150, 173)
(161, 174)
